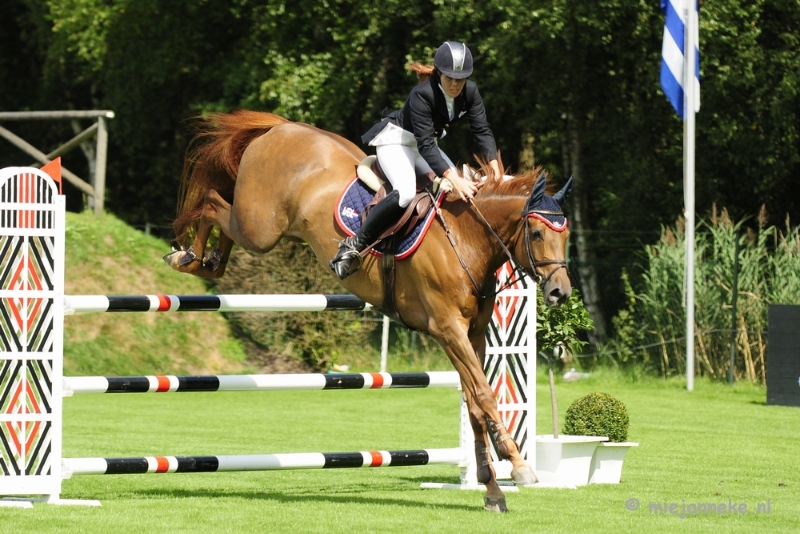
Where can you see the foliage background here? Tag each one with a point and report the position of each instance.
(767, 266)
(322, 339)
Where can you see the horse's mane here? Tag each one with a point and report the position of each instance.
(520, 185)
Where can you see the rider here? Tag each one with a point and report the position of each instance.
(406, 145)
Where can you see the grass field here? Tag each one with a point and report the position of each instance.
(713, 445)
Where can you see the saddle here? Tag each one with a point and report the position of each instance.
(370, 172)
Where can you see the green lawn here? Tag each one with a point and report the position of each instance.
(712, 445)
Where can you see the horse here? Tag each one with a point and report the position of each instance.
(259, 177)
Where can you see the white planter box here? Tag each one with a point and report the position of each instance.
(607, 462)
(566, 460)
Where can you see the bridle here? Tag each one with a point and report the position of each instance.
(519, 271)
(561, 264)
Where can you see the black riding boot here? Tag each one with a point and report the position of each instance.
(384, 213)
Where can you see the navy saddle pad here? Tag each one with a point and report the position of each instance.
(355, 198)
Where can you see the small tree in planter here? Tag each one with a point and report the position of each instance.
(556, 330)
(600, 414)
(562, 461)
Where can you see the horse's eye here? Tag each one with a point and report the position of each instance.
(536, 235)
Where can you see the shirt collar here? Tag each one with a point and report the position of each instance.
(450, 101)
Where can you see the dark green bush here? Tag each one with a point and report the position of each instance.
(597, 414)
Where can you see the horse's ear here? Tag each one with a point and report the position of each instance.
(562, 195)
(537, 194)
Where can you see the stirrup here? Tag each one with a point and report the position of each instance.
(343, 263)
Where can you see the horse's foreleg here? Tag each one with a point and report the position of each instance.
(483, 458)
(507, 448)
(458, 349)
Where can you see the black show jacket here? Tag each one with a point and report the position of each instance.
(425, 115)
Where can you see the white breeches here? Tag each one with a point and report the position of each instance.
(401, 164)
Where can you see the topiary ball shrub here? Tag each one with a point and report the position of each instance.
(597, 414)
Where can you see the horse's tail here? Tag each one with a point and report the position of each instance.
(212, 161)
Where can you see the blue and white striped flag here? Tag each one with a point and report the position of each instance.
(672, 53)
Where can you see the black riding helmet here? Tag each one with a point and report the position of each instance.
(453, 59)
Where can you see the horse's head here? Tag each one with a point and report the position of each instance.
(542, 251)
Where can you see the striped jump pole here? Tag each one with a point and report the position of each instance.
(74, 385)
(222, 303)
(260, 462)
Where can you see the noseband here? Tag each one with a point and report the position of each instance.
(561, 264)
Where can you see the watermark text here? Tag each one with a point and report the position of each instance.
(684, 508)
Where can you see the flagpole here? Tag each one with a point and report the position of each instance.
(688, 176)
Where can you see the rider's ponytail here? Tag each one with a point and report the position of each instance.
(423, 72)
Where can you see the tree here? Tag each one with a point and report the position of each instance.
(569, 85)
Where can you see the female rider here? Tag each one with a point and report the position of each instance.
(406, 145)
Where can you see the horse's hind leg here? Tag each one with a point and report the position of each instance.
(191, 259)
(215, 211)
(218, 258)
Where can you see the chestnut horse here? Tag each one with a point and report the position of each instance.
(259, 177)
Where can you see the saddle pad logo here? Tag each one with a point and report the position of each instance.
(349, 212)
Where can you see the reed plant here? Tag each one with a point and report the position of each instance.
(651, 328)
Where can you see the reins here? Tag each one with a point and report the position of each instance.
(455, 248)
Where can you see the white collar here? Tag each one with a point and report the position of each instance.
(450, 101)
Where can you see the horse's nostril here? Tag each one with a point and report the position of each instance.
(556, 296)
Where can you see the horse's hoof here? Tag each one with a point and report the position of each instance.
(524, 476)
(495, 504)
(168, 257)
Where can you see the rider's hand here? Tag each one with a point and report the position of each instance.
(495, 170)
(462, 188)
